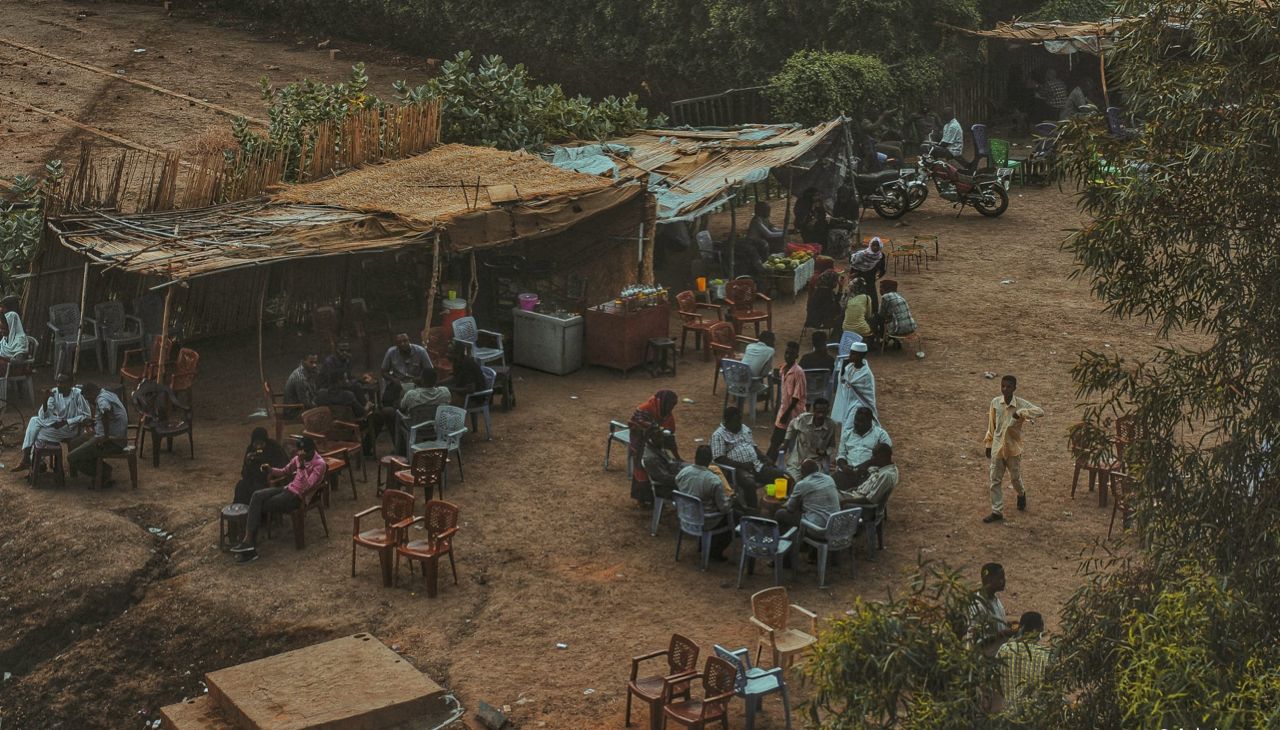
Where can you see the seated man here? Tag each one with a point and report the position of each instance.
(811, 436)
(697, 481)
(733, 445)
(419, 403)
(660, 462)
(301, 386)
(759, 355)
(110, 434)
(61, 418)
(403, 363)
(468, 374)
(819, 358)
(813, 500)
(856, 447)
(307, 470)
(882, 477)
(336, 386)
(895, 315)
(761, 234)
(1023, 662)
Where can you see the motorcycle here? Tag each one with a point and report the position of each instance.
(915, 180)
(986, 191)
(884, 191)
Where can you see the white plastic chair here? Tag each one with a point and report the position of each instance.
(740, 384)
(477, 403)
(65, 323)
(451, 426)
(838, 535)
(465, 330)
(116, 329)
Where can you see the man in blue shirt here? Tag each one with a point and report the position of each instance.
(952, 133)
(110, 433)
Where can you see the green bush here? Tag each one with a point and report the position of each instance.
(815, 86)
(22, 218)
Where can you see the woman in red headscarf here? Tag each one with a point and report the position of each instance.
(658, 411)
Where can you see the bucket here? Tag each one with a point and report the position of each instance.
(528, 301)
(454, 309)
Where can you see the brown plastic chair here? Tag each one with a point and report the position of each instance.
(442, 524)
(426, 472)
(657, 689)
(314, 501)
(334, 436)
(139, 364)
(718, 680)
(691, 321)
(396, 507)
(741, 296)
(1098, 471)
(771, 614)
(1122, 500)
(163, 417)
(720, 343)
(279, 409)
(183, 377)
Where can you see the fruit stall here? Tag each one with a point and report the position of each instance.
(789, 273)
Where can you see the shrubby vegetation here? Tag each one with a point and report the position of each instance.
(21, 220)
(815, 86)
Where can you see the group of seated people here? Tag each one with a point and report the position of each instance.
(410, 386)
(856, 309)
(828, 470)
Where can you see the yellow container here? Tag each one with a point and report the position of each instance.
(702, 283)
(780, 487)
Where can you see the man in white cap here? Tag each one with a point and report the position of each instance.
(1004, 444)
(855, 386)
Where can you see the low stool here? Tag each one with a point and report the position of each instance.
(660, 356)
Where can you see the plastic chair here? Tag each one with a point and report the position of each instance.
(741, 296)
(396, 507)
(817, 381)
(847, 340)
(1000, 158)
(981, 145)
(620, 432)
(655, 690)
(441, 519)
(149, 309)
(838, 535)
(451, 426)
(693, 522)
(67, 327)
(183, 377)
(753, 684)
(1121, 496)
(718, 679)
(143, 363)
(761, 541)
(116, 329)
(334, 437)
(739, 383)
(1096, 469)
(164, 417)
(421, 419)
(465, 330)
(721, 343)
(687, 305)
(426, 472)
(277, 408)
(477, 403)
(771, 614)
(23, 378)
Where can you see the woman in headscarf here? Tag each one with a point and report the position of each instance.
(261, 450)
(823, 310)
(14, 342)
(658, 411)
(855, 386)
(868, 264)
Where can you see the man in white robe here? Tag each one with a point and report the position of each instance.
(61, 418)
(855, 386)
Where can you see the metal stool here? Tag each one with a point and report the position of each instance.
(51, 452)
(660, 356)
(232, 521)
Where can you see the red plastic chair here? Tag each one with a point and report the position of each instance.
(396, 507)
(741, 296)
(656, 689)
(442, 524)
(688, 306)
(718, 679)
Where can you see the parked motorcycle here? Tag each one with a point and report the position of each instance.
(915, 180)
(986, 191)
(884, 191)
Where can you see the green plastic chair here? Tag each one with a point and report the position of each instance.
(1000, 158)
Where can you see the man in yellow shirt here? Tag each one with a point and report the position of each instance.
(1004, 444)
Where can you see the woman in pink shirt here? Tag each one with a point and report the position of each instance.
(307, 469)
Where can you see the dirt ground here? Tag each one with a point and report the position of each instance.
(104, 621)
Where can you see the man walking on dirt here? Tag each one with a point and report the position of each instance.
(1004, 444)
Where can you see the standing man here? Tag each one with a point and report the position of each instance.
(403, 363)
(1004, 444)
(110, 433)
(793, 396)
(952, 133)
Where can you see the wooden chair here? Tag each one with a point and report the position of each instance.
(654, 690)
(719, 679)
(741, 297)
(688, 306)
(426, 472)
(396, 507)
(441, 519)
(164, 417)
(278, 410)
(334, 436)
(771, 613)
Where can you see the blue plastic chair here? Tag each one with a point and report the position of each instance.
(693, 520)
(477, 403)
(846, 343)
(817, 383)
(451, 426)
(620, 432)
(754, 683)
(742, 385)
(761, 540)
(838, 535)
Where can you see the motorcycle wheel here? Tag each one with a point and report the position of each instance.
(916, 195)
(989, 208)
(894, 204)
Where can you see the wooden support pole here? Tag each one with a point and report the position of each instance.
(786, 212)
(84, 293)
(1102, 72)
(733, 239)
(265, 278)
(164, 335)
(431, 289)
